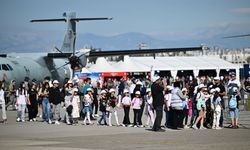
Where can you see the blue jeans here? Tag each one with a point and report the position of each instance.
(169, 118)
(103, 117)
(46, 109)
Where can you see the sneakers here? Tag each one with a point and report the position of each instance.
(141, 126)
(218, 128)
(202, 128)
(57, 122)
(31, 120)
(214, 128)
(195, 127)
(34, 119)
(186, 127)
(18, 120)
(49, 122)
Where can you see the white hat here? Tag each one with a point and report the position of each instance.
(217, 90)
(155, 78)
(70, 82)
(170, 87)
(55, 82)
(235, 89)
(201, 86)
(89, 89)
(148, 90)
(212, 90)
(216, 78)
(126, 91)
(111, 90)
(184, 89)
(75, 90)
(139, 83)
(137, 93)
(103, 92)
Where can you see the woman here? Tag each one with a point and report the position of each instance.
(44, 94)
(21, 101)
(2, 102)
(33, 106)
(177, 106)
(201, 107)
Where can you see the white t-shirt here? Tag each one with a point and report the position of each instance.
(234, 81)
(126, 100)
(88, 100)
(21, 97)
(168, 98)
(2, 101)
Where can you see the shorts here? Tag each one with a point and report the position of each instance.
(234, 113)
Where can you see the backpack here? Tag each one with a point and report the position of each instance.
(231, 86)
(233, 102)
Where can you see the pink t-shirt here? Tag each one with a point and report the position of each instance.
(136, 103)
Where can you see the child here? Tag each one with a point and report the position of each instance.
(88, 100)
(149, 105)
(113, 107)
(210, 109)
(136, 103)
(168, 109)
(68, 102)
(234, 107)
(21, 102)
(2, 102)
(217, 109)
(126, 103)
(103, 104)
(76, 106)
(185, 108)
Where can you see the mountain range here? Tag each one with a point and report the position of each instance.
(28, 41)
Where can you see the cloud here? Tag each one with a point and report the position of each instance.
(241, 10)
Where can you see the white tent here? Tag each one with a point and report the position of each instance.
(128, 65)
(85, 70)
(101, 65)
(173, 64)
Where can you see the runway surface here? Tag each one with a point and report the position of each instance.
(40, 135)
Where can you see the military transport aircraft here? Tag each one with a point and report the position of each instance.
(61, 64)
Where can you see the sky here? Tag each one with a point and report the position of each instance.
(161, 19)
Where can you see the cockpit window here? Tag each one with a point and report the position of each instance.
(5, 67)
(10, 67)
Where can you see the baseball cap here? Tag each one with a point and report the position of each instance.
(155, 78)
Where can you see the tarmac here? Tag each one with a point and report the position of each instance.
(40, 135)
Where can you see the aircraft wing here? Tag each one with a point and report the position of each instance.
(86, 19)
(141, 51)
(48, 20)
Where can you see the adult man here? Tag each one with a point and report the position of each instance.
(217, 83)
(56, 99)
(157, 88)
(232, 83)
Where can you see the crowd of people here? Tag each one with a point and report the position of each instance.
(185, 103)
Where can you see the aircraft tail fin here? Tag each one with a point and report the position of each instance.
(70, 36)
